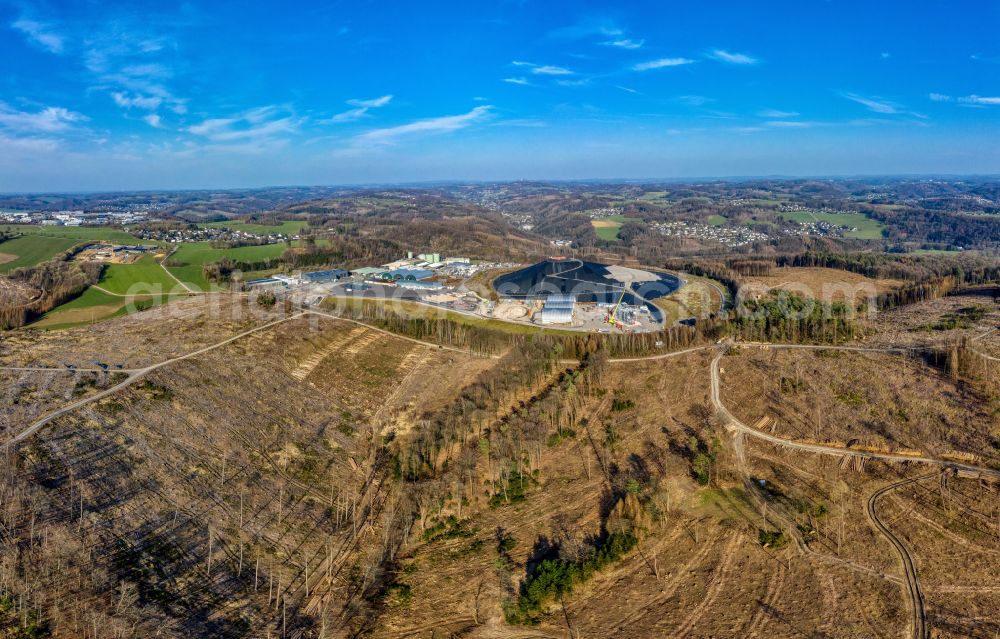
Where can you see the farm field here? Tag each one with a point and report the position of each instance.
(94, 305)
(29, 250)
(194, 255)
(653, 195)
(286, 227)
(867, 228)
(921, 251)
(607, 228)
(717, 220)
(82, 233)
(145, 274)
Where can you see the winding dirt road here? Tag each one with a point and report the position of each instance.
(918, 620)
(736, 425)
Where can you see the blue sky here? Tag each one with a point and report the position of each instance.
(101, 95)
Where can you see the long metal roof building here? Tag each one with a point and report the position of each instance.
(556, 315)
(558, 309)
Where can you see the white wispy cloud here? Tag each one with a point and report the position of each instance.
(520, 81)
(153, 120)
(661, 63)
(41, 34)
(874, 104)
(731, 57)
(444, 124)
(47, 120)
(374, 103)
(549, 69)
(361, 109)
(792, 124)
(126, 59)
(126, 101)
(625, 43)
(776, 113)
(627, 89)
(542, 69)
(255, 124)
(966, 100)
(980, 100)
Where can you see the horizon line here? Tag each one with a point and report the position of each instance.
(456, 182)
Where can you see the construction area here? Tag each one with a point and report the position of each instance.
(559, 312)
(113, 253)
(586, 296)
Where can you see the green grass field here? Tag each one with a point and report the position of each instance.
(93, 306)
(867, 228)
(145, 274)
(932, 252)
(194, 255)
(80, 233)
(32, 249)
(717, 220)
(287, 227)
(607, 228)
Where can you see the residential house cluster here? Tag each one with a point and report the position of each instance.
(726, 235)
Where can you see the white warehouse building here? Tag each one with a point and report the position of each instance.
(557, 309)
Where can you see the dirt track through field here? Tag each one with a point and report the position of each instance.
(671, 587)
(719, 580)
(760, 616)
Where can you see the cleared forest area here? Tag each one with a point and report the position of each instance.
(873, 401)
(215, 497)
(318, 477)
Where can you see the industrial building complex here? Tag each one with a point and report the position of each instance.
(557, 292)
